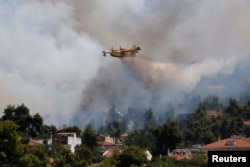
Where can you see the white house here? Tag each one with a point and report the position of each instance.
(69, 139)
(149, 155)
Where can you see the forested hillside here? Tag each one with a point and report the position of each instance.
(18, 126)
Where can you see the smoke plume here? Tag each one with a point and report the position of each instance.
(44, 61)
(51, 54)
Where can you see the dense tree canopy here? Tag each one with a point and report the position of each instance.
(132, 156)
(11, 148)
(33, 125)
(142, 138)
(168, 136)
(17, 124)
(89, 137)
(197, 127)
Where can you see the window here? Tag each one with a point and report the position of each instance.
(230, 143)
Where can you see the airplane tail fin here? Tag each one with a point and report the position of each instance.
(104, 53)
(136, 48)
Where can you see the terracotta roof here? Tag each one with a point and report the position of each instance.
(247, 123)
(124, 135)
(35, 143)
(232, 143)
(101, 135)
(104, 143)
(214, 113)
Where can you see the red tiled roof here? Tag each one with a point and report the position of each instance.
(101, 135)
(34, 143)
(232, 143)
(104, 143)
(124, 135)
(214, 113)
(247, 123)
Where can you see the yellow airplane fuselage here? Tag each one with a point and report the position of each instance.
(122, 52)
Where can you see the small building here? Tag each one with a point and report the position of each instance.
(247, 123)
(110, 152)
(196, 148)
(181, 154)
(234, 143)
(124, 135)
(35, 142)
(106, 143)
(69, 140)
(213, 113)
(149, 155)
(105, 146)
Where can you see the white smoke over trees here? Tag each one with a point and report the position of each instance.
(50, 54)
(44, 61)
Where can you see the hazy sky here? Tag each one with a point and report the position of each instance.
(51, 52)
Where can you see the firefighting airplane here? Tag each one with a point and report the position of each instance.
(122, 52)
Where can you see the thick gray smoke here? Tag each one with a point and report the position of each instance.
(44, 61)
(50, 54)
(189, 47)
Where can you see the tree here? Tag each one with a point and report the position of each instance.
(89, 143)
(36, 127)
(74, 129)
(213, 103)
(197, 126)
(237, 126)
(59, 154)
(22, 117)
(209, 137)
(168, 136)
(149, 119)
(29, 160)
(225, 128)
(113, 129)
(142, 138)
(83, 155)
(132, 156)
(11, 148)
(49, 130)
(111, 161)
(233, 109)
(124, 125)
(246, 111)
(216, 124)
(9, 113)
(26, 123)
(38, 122)
(89, 137)
(40, 152)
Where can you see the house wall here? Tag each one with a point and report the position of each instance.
(73, 142)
